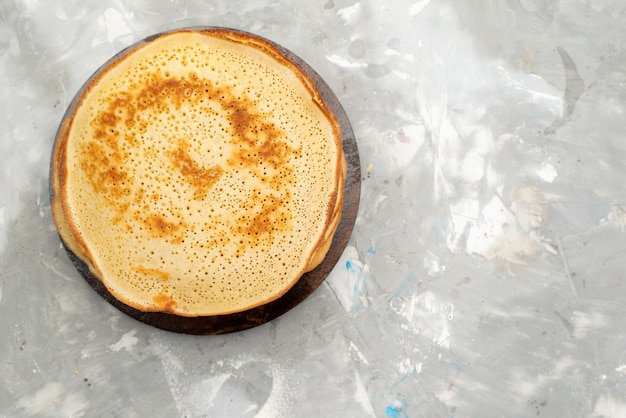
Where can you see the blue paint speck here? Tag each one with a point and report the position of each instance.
(353, 268)
(392, 412)
(397, 409)
(402, 379)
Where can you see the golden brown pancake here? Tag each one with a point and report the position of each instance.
(199, 174)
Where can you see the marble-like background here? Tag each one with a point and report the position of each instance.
(486, 274)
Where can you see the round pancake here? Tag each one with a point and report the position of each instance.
(199, 174)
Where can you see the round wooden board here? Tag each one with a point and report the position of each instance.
(308, 283)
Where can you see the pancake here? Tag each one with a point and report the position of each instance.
(198, 173)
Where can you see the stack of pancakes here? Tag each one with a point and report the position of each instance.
(199, 174)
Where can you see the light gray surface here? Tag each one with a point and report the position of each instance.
(485, 276)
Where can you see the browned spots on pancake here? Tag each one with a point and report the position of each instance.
(159, 274)
(200, 178)
(112, 175)
(258, 147)
(107, 177)
(107, 119)
(139, 196)
(258, 226)
(159, 227)
(162, 226)
(164, 301)
(258, 140)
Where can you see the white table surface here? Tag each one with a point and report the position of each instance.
(485, 276)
